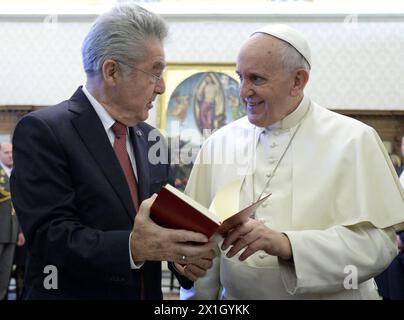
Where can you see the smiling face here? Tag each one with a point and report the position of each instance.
(130, 97)
(265, 85)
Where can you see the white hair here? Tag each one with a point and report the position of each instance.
(120, 35)
(291, 58)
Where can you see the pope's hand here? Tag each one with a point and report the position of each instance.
(253, 236)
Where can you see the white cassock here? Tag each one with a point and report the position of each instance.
(334, 193)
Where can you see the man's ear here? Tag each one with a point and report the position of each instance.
(300, 79)
(110, 71)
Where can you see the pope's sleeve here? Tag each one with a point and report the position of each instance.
(324, 258)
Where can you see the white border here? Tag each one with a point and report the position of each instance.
(208, 8)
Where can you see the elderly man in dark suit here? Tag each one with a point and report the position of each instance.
(82, 168)
(8, 219)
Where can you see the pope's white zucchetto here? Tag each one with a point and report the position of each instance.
(289, 35)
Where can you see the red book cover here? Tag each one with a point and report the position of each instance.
(175, 210)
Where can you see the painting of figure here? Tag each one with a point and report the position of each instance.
(198, 105)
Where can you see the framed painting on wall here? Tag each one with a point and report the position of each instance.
(199, 99)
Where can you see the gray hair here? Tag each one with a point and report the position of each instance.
(291, 58)
(120, 35)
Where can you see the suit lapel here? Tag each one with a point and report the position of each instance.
(92, 132)
(139, 142)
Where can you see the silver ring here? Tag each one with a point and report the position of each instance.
(183, 258)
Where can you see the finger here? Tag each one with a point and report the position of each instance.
(180, 268)
(224, 230)
(193, 272)
(195, 252)
(145, 206)
(251, 249)
(234, 236)
(188, 236)
(204, 264)
(208, 251)
(181, 259)
(240, 244)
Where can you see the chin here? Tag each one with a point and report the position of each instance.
(257, 121)
(144, 116)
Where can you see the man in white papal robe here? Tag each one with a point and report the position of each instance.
(329, 226)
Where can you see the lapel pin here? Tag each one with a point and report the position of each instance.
(139, 133)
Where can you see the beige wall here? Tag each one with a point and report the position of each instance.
(356, 65)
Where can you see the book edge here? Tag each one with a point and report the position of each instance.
(193, 203)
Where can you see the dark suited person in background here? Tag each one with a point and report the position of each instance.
(8, 219)
(391, 281)
(82, 168)
(18, 271)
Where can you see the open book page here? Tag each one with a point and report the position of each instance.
(241, 216)
(226, 202)
(226, 206)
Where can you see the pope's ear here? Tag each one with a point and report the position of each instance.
(300, 79)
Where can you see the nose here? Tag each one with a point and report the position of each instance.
(160, 87)
(245, 90)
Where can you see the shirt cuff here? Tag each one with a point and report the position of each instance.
(133, 265)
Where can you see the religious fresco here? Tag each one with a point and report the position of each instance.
(197, 106)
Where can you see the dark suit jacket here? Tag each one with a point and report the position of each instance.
(8, 222)
(74, 204)
(391, 281)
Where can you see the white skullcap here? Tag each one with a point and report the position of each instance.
(290, 35)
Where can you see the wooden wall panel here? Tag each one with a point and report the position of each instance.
(9, 116)
(388, 124)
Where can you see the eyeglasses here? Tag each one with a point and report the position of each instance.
(155, 78)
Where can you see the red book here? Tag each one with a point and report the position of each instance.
(175, 210)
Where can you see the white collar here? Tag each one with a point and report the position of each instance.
(105, 117)
(291, 120)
